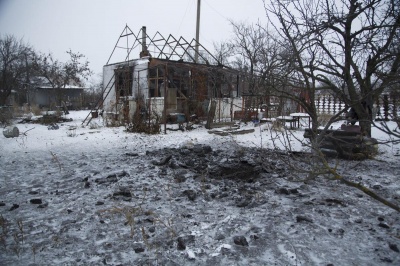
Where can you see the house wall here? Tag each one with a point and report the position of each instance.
(109, 92)
(49, 97)
(139, 87)
(40, 97)
(175, 100)
(157, 105)
(223, 109)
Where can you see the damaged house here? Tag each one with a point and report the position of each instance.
(168, 83)
(170, 80)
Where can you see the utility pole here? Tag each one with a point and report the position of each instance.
(196, 57)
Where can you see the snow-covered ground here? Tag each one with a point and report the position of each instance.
(101, 196)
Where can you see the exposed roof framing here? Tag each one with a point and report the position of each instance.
(170, 48)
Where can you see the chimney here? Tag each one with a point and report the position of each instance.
(144, 51)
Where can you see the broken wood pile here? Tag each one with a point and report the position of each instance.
(344, 144)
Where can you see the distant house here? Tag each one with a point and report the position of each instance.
(48, 97)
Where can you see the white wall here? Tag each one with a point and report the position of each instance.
(108, 80)
(139, 84)
(157, 105)
(223, 109)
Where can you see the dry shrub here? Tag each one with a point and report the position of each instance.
(323, 119)
(5, 116)
(140, 124)
(36, 110)
(277, 126)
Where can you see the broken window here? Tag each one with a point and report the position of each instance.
(123, 82)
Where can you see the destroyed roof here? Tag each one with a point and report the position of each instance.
(170, 48)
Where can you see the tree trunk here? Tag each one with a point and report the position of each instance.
(3, 98)
(365, 125)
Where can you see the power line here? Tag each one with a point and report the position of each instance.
(187, 7)
(216, 10)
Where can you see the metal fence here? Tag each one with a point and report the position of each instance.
(387, 106)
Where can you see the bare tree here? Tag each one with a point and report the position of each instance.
(223, 51)
(349, 40)
(346, 47)
(258, 57)
(59, 74)
(248, 45)
(14, 61)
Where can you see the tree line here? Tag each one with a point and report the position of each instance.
(21, 68)
(348, 48)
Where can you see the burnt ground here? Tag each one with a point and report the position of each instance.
(193, 205)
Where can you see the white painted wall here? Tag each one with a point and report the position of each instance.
(223, 109)
(139, 84)
(157, 105)
(108, 80)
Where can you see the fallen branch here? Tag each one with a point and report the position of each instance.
(368, 192)
(360, 187)
(24, 133)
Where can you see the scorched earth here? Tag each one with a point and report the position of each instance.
(101, 196)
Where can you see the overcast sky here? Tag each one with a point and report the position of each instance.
(92, 27)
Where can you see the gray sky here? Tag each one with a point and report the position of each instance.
(92, 27)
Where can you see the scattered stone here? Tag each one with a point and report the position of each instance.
(15, 206)
(240, 240)
(132, 154)
(254, 237)
(191, 194)
(152, 229)
(99, 203)
(287, 191)
(2, 204)
(180, 176)
(181, 244)
(33, 192)
(68, 222)
(383, 225)
(184, 240)
(388, 260)
(11, 132)
(150, 219)
(36, 201)
(335, 201)
(394, 247)
(139, 249)
(111, 178)
(123, 194)
(53, 127)
(202, 149)
(163, 161)
(219, 236)
(243, 202)
(300, 219)
(190, 254)
(106, 180)
(42, 206)
(87, 184)
(377, 187)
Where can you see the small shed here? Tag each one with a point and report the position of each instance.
(49, 97)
